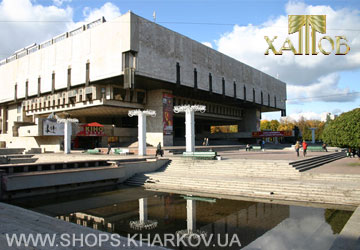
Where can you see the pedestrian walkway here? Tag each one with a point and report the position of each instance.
(249, 179)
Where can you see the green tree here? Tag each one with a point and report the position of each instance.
(344, 131)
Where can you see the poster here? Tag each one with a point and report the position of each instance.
(51, 127)
(168, 114)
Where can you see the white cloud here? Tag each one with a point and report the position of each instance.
(27, 23)
(60, 2)
(247, 44)
(324, 89)
(306, 115)
(207, 44)
(108, 10)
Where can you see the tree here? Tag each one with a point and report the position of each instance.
(286, 125)
(344, 131)
(274, 125)
(264, 125)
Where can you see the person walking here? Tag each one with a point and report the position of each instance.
(297, 148)
(109, 148)
(304, 146)
(159, 151)
(324, 147)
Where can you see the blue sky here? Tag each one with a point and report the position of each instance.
(233, 27)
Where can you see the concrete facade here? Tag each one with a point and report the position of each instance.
(100, 71)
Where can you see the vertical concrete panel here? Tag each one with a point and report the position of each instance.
(154, 133)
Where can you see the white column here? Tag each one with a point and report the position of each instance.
(142, 133)
(313, 135)
(191, 215)
(142, 127)
(190, 130)
(67, 137)
(143, 215)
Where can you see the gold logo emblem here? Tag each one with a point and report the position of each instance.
(317, 24)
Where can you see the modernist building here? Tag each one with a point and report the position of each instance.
(100, 71)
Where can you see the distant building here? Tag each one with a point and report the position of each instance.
(100, 71)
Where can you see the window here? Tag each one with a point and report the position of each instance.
(253, 95)
(178, 73)
(15, 91)
(68, 78)
(262, 98)
(39, 86)
(210, 83)
(119, 94)
(103, 93)
(275, 101)
(87, 76)
(234, 89)
(195, 78)
(244, 93)
(223, 86)
(129, 60)
(26, 89)
(53, 83)
(269, 100)
(19, 109)
(141, 97)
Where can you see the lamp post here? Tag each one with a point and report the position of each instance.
(190, 123)
(141, 114)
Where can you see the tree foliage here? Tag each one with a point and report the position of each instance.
(344, 131)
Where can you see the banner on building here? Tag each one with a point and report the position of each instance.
(91, 129)
(272, 134)
(51, 127)
(224, 129)
(168, 114)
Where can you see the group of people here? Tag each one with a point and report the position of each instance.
(352, 152)
(302, 145)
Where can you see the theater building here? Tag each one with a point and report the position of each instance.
(101, 70)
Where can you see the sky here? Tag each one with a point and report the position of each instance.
(315, 83)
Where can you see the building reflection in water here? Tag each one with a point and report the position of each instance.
(248, 220)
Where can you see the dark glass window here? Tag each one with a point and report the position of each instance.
(68, 78)
(195, 79)
(177, 73)
(53, 83)
(210, 83)
(223, 86)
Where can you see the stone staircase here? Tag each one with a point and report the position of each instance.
(261, 179)
(303, 165)
(15, 156)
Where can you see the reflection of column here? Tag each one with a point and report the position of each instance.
(190, 123)
(191, 215)
(143, 215)
(142, 127)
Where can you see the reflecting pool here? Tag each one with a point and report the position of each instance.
(218, 223)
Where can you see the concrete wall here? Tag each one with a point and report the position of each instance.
(155, 125)
(101, 45)
(160, 49)
(39, 179)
